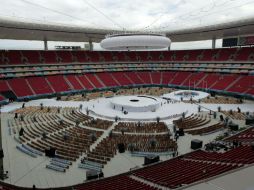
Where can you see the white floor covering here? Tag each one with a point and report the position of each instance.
(239, 180)
(26, 171)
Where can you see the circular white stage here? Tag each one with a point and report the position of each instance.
(135, 103)
(186, 95)
(141, 108)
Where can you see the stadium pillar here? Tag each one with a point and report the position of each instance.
(213, 43)
(169, 47)
(45, 44)
(90, 45)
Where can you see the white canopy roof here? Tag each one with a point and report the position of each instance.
(20, 30)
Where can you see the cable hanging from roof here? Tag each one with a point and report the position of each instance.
(183, 22)
(194, 11)
(197, 13)
(103, 14)
(58, 12)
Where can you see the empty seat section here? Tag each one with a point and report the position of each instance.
(134, 77)
(12, 57)
(119, 56)
(225, 54)
(107, 56)
(232, 156)
(4, 86)
(208, 55)
(85, 82)
(107, 79)
(93, 56)
(194, 55)
(209, 80)
(58, 83)
(156, 55)
(118, 182)
(39, 85)
(176, 172)
(49, 56)
(143, 55)
(131, 56)
(167, 77)
(20, 87)
(156, 77)
(193, 79)
(65, 56)
(224, 81)
(145, 76)
(80, 56)
(74, 82)
(168, 55)
(180, 77)
(243, 84)
(243, 54)
(180, 55)
(94, 80)
(33, 57)
(121, 78)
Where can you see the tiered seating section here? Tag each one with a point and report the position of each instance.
(207, 130)
(246, 136)
(31, 86)
(196, 166)
(203, 65)
(242, 155)
(120, 182)
(221, 100)
(235, 115)
(174, 173)
(141, 127)
(65, 57)
(69, 140)
(107, 148)
(198, 124)
(177, 172)
(192, 121)
(98, 123)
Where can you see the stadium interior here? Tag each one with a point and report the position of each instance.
(96, 119)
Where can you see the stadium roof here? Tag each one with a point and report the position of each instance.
(20, 30)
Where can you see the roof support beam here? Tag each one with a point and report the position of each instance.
(213, 43)
(45, 45)
(90, 45)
